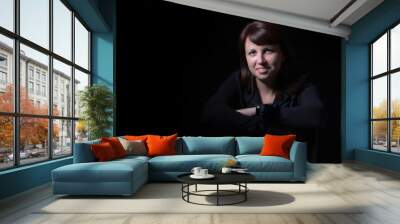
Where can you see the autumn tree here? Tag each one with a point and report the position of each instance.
(33, 131)
(380, 127)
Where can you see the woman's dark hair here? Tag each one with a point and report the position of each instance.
(262, 33)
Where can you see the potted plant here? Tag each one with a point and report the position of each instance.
(96, 102)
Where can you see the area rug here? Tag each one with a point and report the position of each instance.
(167, 198)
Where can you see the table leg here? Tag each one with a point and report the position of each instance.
(217, 194)
(196, 188)
(245, 193)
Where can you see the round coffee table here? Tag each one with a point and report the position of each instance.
(238, 179)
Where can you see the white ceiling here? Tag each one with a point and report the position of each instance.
(319, 9)
(325, 16)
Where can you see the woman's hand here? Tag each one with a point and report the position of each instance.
(251, 111)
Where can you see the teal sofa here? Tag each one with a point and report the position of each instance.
(125, 176)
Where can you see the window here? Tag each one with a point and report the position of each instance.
(30, 87)
(44, 91)
(43, 77)
(34, 22)
(81, 45)
(3, 78)
(3, 61)
(62, 29)
(30, 72)
(38, 74)
(385, 94)
(38, 89)
(7, 14)
(55, 126)
(3, 73)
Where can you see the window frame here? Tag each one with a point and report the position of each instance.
(16, 114)
(388, 74)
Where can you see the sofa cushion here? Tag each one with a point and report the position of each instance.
(103, 151)
(185, 163)
(257, 163)
(277, 145)
(161, 145)
(132, 157)
(116, 145)
(249, 145)
(133, 147)
(207, 145)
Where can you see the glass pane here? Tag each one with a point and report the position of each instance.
(379, 98)
(379, 55)
(7, 14)
(35, 21)
(34, 96)
(81, 131)
(81, 81)
(379, 135)
(395, 94)
(395, 129)
(62, 29)
(81, 45)
(6, 74)
(33, 139)
(62, 138)
(6, 142)
(395, 47)
(62, 89)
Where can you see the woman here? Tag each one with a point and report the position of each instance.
(267, 95)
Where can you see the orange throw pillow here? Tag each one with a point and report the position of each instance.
(134, 137)
(161, 145)
(116, 145)
(277, 145)
(103, 152)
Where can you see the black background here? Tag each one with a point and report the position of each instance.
(171, 58)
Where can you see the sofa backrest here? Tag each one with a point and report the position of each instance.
(83, 152)
(249, 145)
(206, 145)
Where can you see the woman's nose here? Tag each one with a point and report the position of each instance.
(261, 59)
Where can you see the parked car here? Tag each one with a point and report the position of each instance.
(22, 155)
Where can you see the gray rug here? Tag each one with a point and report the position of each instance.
(166, 198)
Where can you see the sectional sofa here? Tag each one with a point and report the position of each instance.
(126, 175)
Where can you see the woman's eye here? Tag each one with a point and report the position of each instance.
(268, 50)
(252, 53)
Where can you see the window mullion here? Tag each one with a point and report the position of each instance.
(50, 87)
(371, 89)
(73, 82)
(389, 106)
(16, 84)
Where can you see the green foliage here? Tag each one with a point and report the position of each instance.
(96, 102)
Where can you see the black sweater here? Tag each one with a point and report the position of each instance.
(290, 113)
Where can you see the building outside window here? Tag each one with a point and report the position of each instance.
(385, 92)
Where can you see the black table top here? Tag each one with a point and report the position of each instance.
(220, 178)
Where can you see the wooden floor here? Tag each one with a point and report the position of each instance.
(378, 189)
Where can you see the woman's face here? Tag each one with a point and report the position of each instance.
(263, 60)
